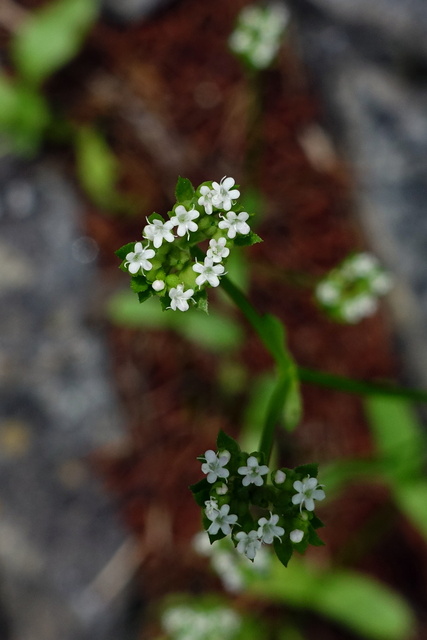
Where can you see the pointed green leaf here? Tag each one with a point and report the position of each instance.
(283, 549)
(144, 295)
(184, 190)
(123, 251)
(310, 469)
(248, 240)
(226, 442)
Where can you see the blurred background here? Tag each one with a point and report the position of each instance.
(105, 404)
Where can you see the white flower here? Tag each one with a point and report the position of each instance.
(235, 223)
(381, 283)
(179, 298)
(183, 219)
(296, 535)
(327, 292)
(157, 231)
(139, 259)
(221, 519)
(253, 472)
(223, 193)
(269, 529)
(208, 272)
(248, 544)
(359, 307)
(211, 507)
(214, 465)
(279, 477)
(217, 250)
(158, 285)
(205, 199)
(307, 493)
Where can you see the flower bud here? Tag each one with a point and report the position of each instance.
(296, 535)
(279, 477)
(158, 285)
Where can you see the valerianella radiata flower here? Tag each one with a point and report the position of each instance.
(179, 298)
(248, 544)
(157, 231)
(209, 272)
(269, 529)
(139, 259)
(184, 220)
(224, 194)
(221, 519)
(253, 472)
(217, 250)
(214, 466)
(307, 492)
(235, 223)
(205, 199)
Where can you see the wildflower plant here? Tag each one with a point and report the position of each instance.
(169, 262)
(350, 292)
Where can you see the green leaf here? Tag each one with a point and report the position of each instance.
(138, 284)
(24, 116)
(227, 443)
(247, 241)
(144, 295)
(411, 498)
(184, 190)
(284, 550)
(123, 251)
(398, 436)
(313, 538)
(52, 37)
(358, 602)
(364, 605)
(97, 168)
(292, 410)
(309, 469)
(202, 301)
(215, 332)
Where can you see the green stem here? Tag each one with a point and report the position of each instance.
(274, 414)
(312, 376)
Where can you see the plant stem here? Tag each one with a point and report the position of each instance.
(312, 376)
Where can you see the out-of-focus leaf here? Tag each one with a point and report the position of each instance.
(411, 497)
(215, 332)
(97, 168)
(358, 602)
(336, 475)
(398, 436)
(51, 37)
(24, 116)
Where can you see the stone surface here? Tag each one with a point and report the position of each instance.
(369, 65)
(65, 561)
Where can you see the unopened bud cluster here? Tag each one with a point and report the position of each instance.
(350, 292)
(166, 263)
(237, 499)
(258, 34)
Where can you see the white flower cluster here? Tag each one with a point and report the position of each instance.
(199, 621)
(258, 34)
(221, 520)
(165, 261)
(350, 292)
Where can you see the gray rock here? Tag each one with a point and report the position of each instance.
(65, 561)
